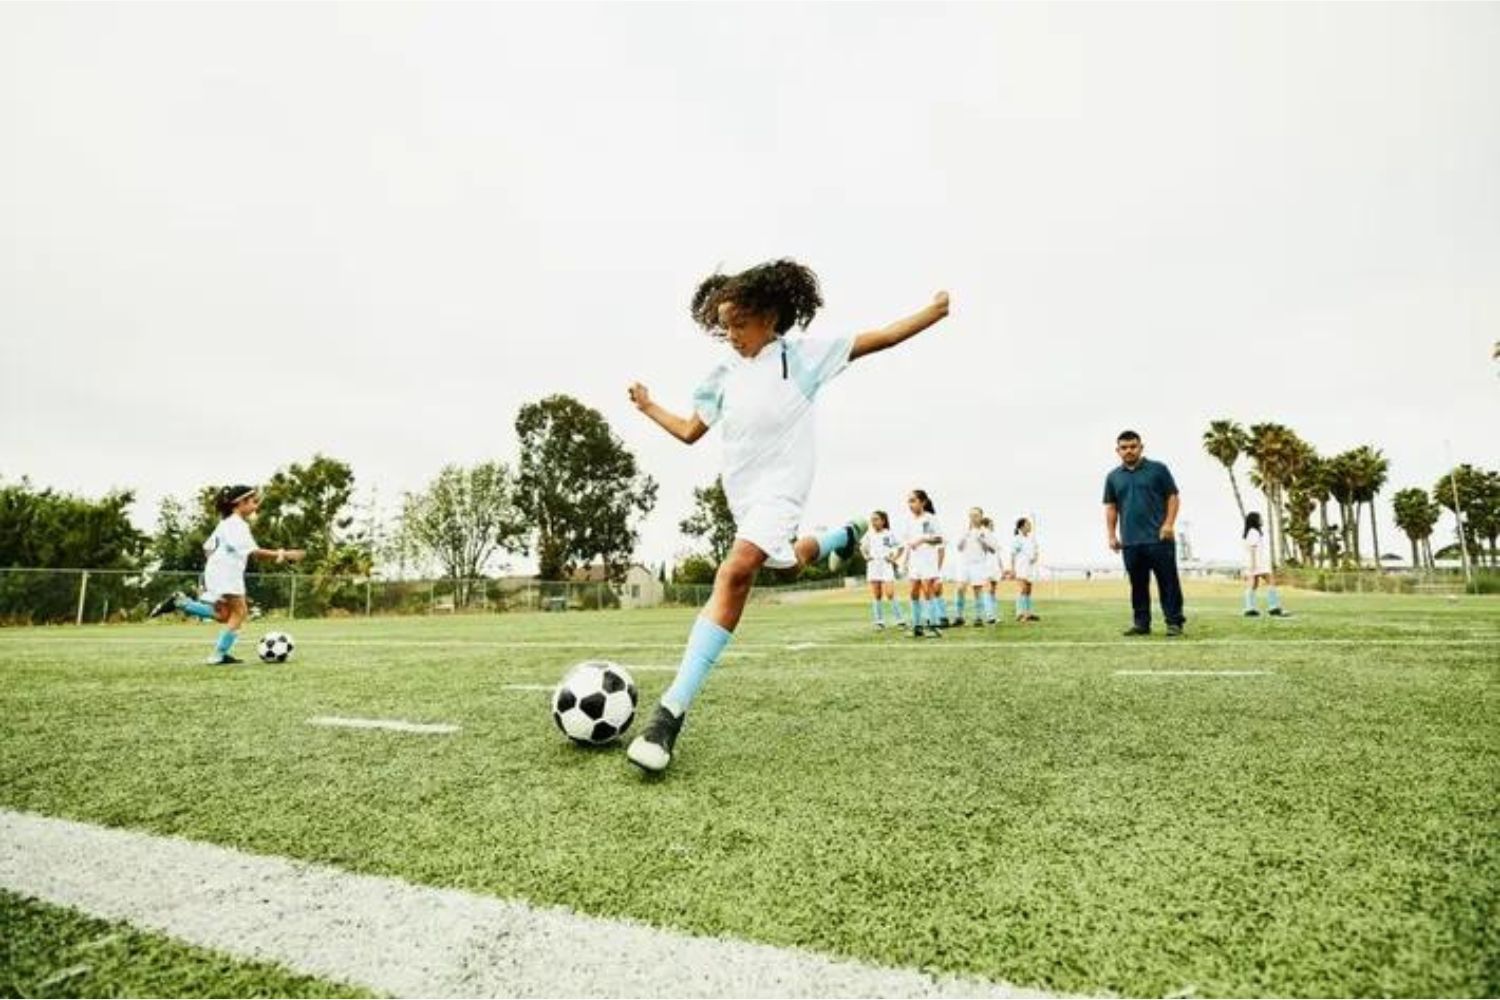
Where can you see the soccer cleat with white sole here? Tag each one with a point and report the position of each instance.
(652, 750)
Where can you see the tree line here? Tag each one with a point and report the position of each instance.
(573, 495)
(1299, 482)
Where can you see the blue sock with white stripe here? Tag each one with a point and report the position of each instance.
(706, 643)
(1249, 599)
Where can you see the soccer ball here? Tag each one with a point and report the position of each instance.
(275, 647)
(595, 702)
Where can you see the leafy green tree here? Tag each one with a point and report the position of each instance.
(711, 519)
(1416, 515)
(1276, 451)
(695, 569)
(51, 530)
(181, 529)
(1226, 441)
(309, 507)
(464, 519)
(1478, 502)
(580, 488)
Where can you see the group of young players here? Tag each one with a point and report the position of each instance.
(973, 564)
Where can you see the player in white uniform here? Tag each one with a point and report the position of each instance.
(882, 551)
(1023, 568)
(975, 551)
(763, 399)
(924, 540)
(228, 550)
(1258, 568)
(993, 572)
(950, 581)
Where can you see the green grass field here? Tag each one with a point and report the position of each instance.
(998, 804)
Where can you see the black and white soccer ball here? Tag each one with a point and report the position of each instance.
(595, 702)
(275, 647)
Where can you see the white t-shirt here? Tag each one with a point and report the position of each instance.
(976, 546)
(922, 563)
(1023, 554)
(765, 407)
(228, 550)
(1257, 554)
(880, 546)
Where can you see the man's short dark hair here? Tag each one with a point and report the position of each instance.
(1127, 436)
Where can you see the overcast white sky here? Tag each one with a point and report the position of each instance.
(234, 235)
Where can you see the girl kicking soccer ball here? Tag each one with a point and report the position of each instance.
(228, 549)
(764, 399)
(881, 550)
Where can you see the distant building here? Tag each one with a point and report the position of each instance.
(640, 588)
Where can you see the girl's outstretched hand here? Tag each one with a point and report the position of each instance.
(639, 395)
(940, 302)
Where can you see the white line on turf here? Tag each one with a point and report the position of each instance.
(1192, 673)
(401, 939)
(529, 687)
(394, 725)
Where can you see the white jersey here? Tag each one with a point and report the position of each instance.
(881, 549)
(228, 550)
(976, 546)
(1257, 554)
(922, 558)
(765, 407)
(1023, 555)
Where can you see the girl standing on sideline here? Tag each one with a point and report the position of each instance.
(975, 549)
(1023, 565)
(229, 549)
(924, 540)
(880, 549)
(992, 574)
(1258, 568)
(764, 398)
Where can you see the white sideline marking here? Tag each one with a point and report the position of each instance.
(746, 648)
(400, 939)
(798, 646)
(528, 687)
(1192, 673)
(395, 725)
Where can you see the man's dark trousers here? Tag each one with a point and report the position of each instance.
(1140, 562)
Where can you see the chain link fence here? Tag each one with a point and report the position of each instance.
(59, 596)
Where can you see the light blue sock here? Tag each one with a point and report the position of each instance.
(918, 609)
(960, 603)
(198, 609)
(895, 604)
(875, 611)
(933, 605)
(985, 611)
(1027, 599)
(705, 643)
(833, 538)
(1249, 599)
(226, 642)
(1273, 599)
(942, 606)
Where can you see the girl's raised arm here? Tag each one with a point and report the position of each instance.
(895, 333)
(684, 429)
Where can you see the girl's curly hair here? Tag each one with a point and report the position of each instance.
(785, 287)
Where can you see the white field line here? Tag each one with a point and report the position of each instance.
(394, 725)
(528, 687)
(400, 939)
(745, 648)
(1192, 673)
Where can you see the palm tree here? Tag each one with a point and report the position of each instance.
(1372, 469)
(1226, 440)
(1416, 515)
(1343, 486)
(1274, 449)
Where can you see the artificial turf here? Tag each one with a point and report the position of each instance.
(52, 951)
(996, 803)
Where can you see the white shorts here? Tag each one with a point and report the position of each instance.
(976, 573)
(880, 571)
(1026, 571)
(771, 526)
(923, 565)
(221, 581)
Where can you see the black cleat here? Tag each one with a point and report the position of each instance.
(916, 633)
(1173, 631)
(957, 622)
(652, 750)
(224, 661)
(1136, 630)
(1252, 613)
(1278, 613)
(167, 606)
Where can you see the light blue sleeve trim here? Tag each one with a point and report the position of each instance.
(708, 398)
(814, 361)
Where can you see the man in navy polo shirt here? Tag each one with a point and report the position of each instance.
(1140, 511)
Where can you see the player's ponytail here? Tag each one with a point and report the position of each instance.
(228, 498)
(925, 501)
(1252, 523)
